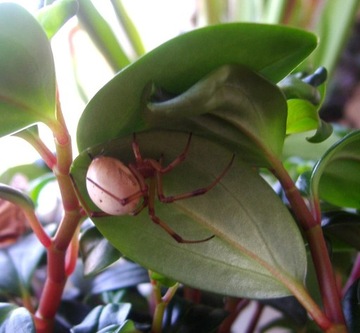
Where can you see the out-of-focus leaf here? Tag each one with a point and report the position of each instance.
(15, 319)
(97, 253)
(182, 316)
(27, 81)
(103, 316)
(128, 26)
(102, 35)
(333, 27)
(298, 146)
(20, 261)
(237, 211)
(38, 185)
(351, 307)
(30, 171)
(119, 108)
(54, 16)
(127, 327)
(343, 226)
(123, 274)
(336, 177)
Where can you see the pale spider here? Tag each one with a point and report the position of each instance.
(117, 189)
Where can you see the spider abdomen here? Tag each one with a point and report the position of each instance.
(112, 186)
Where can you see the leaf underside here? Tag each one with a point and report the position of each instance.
(254, 232)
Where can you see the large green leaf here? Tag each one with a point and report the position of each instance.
(119, 108)
(336, 177)
(257, 246)
(27, 80)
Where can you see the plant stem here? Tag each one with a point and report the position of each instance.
(317, 245)
(56, 270)
(161, 304)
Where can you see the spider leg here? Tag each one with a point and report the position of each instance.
(122, 201)
(180, 158)
(136, 149)
(196, 192)
(163, 225)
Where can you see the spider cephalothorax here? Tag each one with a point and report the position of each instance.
(119, 189)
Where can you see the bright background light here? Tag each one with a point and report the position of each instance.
(156, 21)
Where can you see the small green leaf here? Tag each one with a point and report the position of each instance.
(336, 178)
(252, 251)
(97, 252)
(27, 81)
(323, 132)
(54, 16)
(163, 280)
(15, 319)
(302, 116)
(119, 108)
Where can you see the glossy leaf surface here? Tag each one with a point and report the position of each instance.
(256, 242)
(27, 81)
(119, 108)
(336, 176)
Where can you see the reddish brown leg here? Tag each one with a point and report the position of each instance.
(123, 201)
(196, 192)
(163, 225)
(156, 165)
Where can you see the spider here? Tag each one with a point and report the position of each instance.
(117, 189)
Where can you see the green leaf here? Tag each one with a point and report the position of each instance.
(15, 319)
(302, 116)
(30, 171)
(16, 196)
(102, 35)
(103, 316)
(54, 16)
(333, 27)
(336, 178)
(256, 241)
(128, 26)
(119, 108)
(27, 81)
(235, 105)
(97, 252)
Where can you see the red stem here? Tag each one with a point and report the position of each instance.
(317, 245)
